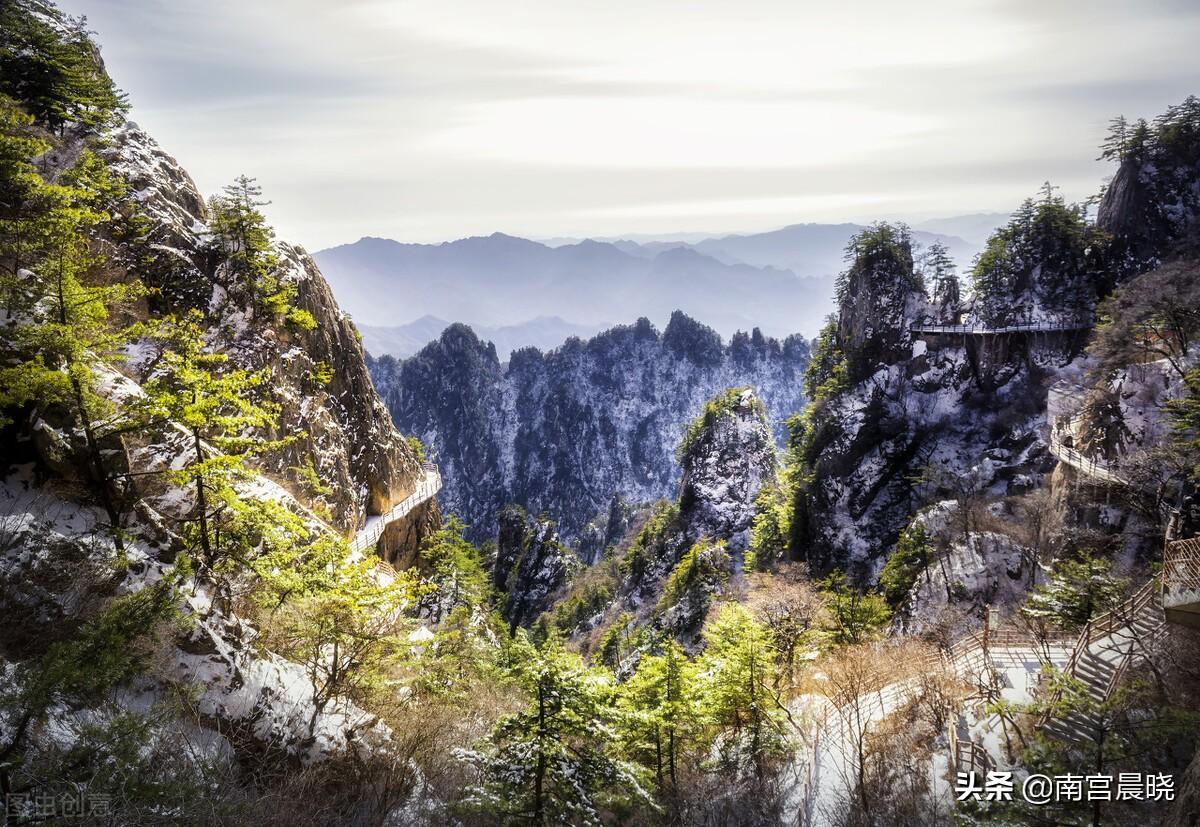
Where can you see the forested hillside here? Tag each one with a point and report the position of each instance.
(565, 431)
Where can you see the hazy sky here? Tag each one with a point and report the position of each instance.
(426, 121)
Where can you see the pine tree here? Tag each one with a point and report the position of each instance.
(911, 557)
(453, 570)
(738, 669)
(660, 713)
(855, 616)
(247, 244)
(192, 387)
(341, 622)
(1103, 432)
(940, 272)
(1077, 591)
(63, 333)
(49, 63)
(1116, 144)
(555, 761)
(107, 649)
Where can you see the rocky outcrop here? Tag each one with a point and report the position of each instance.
(562, 432)
(683, 554)
(727, 456)
(912, 419)
(1152, 201)
(879, 296)
(540, 569)
(318, 377)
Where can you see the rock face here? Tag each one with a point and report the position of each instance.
(57, 563)
(538, 566)
(319, 376)
(880, 295)
(916, 418)
(726, 459)
(1152, 201)
(563, 431)
(684, 554)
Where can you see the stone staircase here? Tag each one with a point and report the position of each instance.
(1107, 647)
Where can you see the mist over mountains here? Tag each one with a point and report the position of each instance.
(522, 292)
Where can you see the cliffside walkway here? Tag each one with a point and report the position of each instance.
(1020, 327)
(1094, 468)
(1062, 397)
(427, 487)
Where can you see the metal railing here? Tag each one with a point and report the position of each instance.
(1019, 327)
(1087, 465)
(427, 487)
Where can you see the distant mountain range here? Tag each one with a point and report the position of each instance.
(544, 333)
(519, 292)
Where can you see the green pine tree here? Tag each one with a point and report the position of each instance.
(555, 761)
(1078, 590)
(855, 616)
(737, 688)
(661, 713)
(223, 421)
(247, 244)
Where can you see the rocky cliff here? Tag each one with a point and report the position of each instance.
(318, 376)
(665, 566)
(562, 432)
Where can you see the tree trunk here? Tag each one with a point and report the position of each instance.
(539, 815)
(202, 503)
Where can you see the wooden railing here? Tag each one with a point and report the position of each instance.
(1181, 567)
(1117, 618)
(965, 754)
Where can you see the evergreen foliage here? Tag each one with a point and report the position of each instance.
(1152, 204)
(911, 557)
(739, 698)
(246, 243)
(1046, 260)
(1185, 421)
(453, 570)
(648, 545)
(855, 616)
(1078, 590)
(825, 375)
(557, 760)
(216, 406)
(49, 63)
(660, 713)
(939, 271)
(724, 404)
(702, 571)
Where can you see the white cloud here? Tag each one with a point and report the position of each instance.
(431, 120)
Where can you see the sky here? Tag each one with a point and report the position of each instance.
(429, 121)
